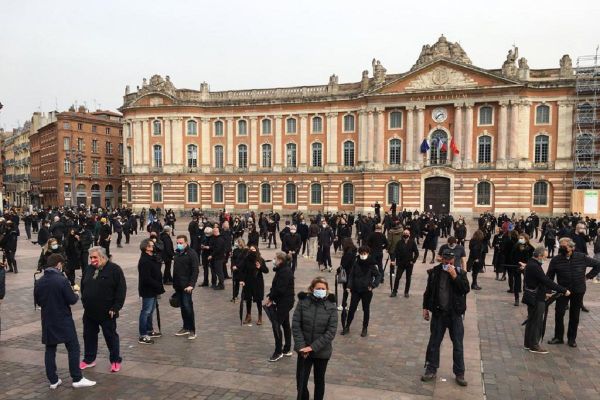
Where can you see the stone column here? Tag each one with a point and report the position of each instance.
(205, 145)
(370, 138)
(138, 143)
(146, 147)
(362, 137)
(168, 134)
(303, 143)
(380, 140)
(253, 143)
(513, 133)
(420, 135)
(523, 138)
(469, 136)
(230, 159)
(502, 135)
(564, 145)
(410, 137)
(277, 150)
(457, 136)
(332, 143)
(177, 143)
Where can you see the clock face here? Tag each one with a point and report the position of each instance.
(439, 114)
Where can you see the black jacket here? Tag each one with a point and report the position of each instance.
(291, 242)
(282, 287)
(535, 278)
(347, 261)
(104, 293)
(570, 272)
(325, 237)
(364, 275)
(314, 324)
(2, 283)
(43, 236)
(218, 247)
(149, 276)
(406, 253)
(458, 293)
(167, 252)
(377, 242)
(252, 277)
(185, 269)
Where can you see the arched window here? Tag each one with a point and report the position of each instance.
(242, 127)
(393, 194)
(242, 156)
(157, 192)
(485, 115)
(439, 147)
(540, 193)
(158, 156)
(484, 149)
(266, 126)
(218, 193)
(395, 151)
(218, 128)
(192, 128)
(218, 156)
(542, 114)
(192, 156)
(266, 155)
(317, 155)
(348, 154)
(396, 120)
(347, 193)
(156, 127)
(317, 124)
(192, 192)
(541, 149)
(484, 193)
(290, 156)
(265, 193)
(242, 193)
(290, 193)
(290, 124)
(348, 123)
(315, 193)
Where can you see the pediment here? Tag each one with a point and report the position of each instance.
(153, 100)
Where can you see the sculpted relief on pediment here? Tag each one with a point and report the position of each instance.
(440, 78)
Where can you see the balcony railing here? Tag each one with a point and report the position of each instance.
(315, 169)
(437, 161)
(542, 165)
(157, 170)
(485, 165)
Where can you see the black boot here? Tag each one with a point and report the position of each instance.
(364, 332)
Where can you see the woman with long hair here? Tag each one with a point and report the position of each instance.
(476, 257)
(348, 256)
(281, 297)
(521, 253)
(237, 258)
(252, 282)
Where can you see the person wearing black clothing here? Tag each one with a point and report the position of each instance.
(2, 288)
(569, 267)
(535, 279)
(57, 229)
(9, 244)
(476, 257)
(460, 231)
(118, 229)
(498, 259)
(291, 244)
(149, 287)
(253, 236)
(281, 296)
(272, 227)
(43, 234)
(27, 220)
(237, 258)
(405, 255)
(105, 236)
(325, 240)
(103, 291)
(193, 230)
(253, 283)
(580, 238)
(127, 229)
(205, 242)
(185, 275)
(218, 251)
(349, 252)
(303, 232)
(363, 278)
(227, 235)
(377, 242)
(167, 253)
(445, 298)
(73, 253)
(521, 253)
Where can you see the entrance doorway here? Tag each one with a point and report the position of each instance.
(437, 195)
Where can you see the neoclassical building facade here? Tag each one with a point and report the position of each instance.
(445, 136)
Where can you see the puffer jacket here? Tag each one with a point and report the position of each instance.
(314, 324)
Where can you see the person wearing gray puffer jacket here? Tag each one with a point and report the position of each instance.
(313, 327)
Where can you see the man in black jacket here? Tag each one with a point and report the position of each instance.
(569, 267)
(377, 242)
(185, 275)
(325, 240)
(446, 299)
(291, 244)
(218, 251)
(282, 296)
(167, 253)
(149, 287)
(9, 243)
(404, 258)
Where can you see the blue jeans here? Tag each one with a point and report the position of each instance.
(439, 323)
(187, 310)
(148, 306)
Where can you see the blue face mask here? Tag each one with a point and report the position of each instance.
(320, 293)
(180, 247)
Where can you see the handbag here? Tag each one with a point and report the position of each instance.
(174, 301)
(529, 296)
(342, 276)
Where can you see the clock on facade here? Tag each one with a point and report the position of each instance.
(439, 114)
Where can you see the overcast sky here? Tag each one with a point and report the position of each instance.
(55, 53)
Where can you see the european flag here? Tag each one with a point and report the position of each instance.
(424, 146)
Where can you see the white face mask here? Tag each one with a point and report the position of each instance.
(54, 246)
(320, 293)
(522, 241)
(364, 256)
(274, 263)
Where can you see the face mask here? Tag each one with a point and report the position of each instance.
(405, 236)
(292, 232)
(521, 241)
(324, 225)
(452, 245)
(54, 246)
(364, 256)
(274, 263)
(320, 293)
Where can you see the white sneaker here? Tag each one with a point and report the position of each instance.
(57, 384)
(340, 308)
(83, 383)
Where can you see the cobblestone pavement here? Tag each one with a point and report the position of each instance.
(229, 361)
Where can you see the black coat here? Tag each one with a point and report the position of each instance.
(364, 275)
(253, 238)
(149, 276)
(185, 269)
(406, 253)
(53, 293)
(10, 241)
(325, 237)
(291, 242)
(377, 242)
(43, 236)
(104, 293)
(282, 288)
(570, 272)
(168, 252)
(458, 293)
(314, 324)
(535, 278)
(347, 261)
(47, 253)
(254, 283)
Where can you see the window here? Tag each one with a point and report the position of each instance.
(67, 188)
(95, 167)
(395, 120)
(242, 193)
(67, 143)
(81, 167)
(484, 194)
(347, 193)
(94, 128)
(79, 126)
(484, 150)
(290, 193)
(315, 193)
(395, 151)
(218, 193)
(158, 156)
(439, 147)
(109, 168)
(242, 127)
(129, 194)
(349, 123)
(266, 126)
(242, 156)
(192, 128)
(156, 127)
(66, 125)
(80, 144)
(67, 166)
(265, 193)
(290, 149)
(317, 125)
(156, 192)
(266, 155)
(348, 154)
(108, 148)
(108, 131)
(94, 146)
(219, 156)
(485, 115)
(218, 128)
(192, 192)
(540, 193)
(393, 194)
(542, 114)
(585, 147)
(120, 149)
(192, 156)
(541, 149)
(290, 124)
(129, 157)
(317, 155)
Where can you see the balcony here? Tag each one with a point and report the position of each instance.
(156, 170)
(485, 165)
(290, 169)
(395, 167)
(542, 165)
(348, 168)
(433, 162)
(315, 169)
(191, 170)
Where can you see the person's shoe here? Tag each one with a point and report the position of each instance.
(145, 340)
(203, 284)
(394, 294)
(345, 331)
(329, 269)
(525, 348)
(182, 332)
(572, 343)
(57, 384)
(115, 367)
(259, 322)
(155, 334)
(509, 291)
(84, 365)
(428, 376)
(233, 299)
(340, 308)
(275, 357)
(406, 295)
(192, 335)
(516, 303)
(538, 350)
(248, 319)
(460, 379)
(288, 353)
(583, 308)
(83, 382)
(364, 332)
(476, 288)
(555, 341)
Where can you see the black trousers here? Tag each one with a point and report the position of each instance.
(272, 238)
(439, 323)
(378, 258)
(119, 238)
(91, 327)
(303, 368)
(356, 298)
(283, 340)
(399, 271)
(28, 231)
(326, 256)
(205, 269)
(50, 361)
(294, 261)
(576, 301)
(11, 261)
(217, 278)
(167, 273)
(535, 321)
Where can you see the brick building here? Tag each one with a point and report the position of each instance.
(446, 136)
(78, 158)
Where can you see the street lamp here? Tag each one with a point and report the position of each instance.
(74, 156)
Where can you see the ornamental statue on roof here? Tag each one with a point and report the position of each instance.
(442, 49)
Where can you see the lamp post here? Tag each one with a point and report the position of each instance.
(74, 155)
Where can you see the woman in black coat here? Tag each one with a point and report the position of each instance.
(476, 257)
(73, 253)
(498, 260)
(281, 297)
(238, 255)
(508, 243)
(253, 236)
(252, 282)
(150, 285)
(522, 251)
(430, 242)
(348, 257)
(51, 247)
(167, 254)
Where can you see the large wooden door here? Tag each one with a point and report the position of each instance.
(437, 195)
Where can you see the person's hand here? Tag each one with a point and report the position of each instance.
(233, 267)
(348, 290)
(257, 265)
(306, 350)
(188, 289)
(210, 257)
(426, 315)
(242, 284)
(452, 271)
(568, 293)
(268, 303)
(112, 313)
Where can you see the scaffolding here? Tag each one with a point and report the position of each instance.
(586, 132)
